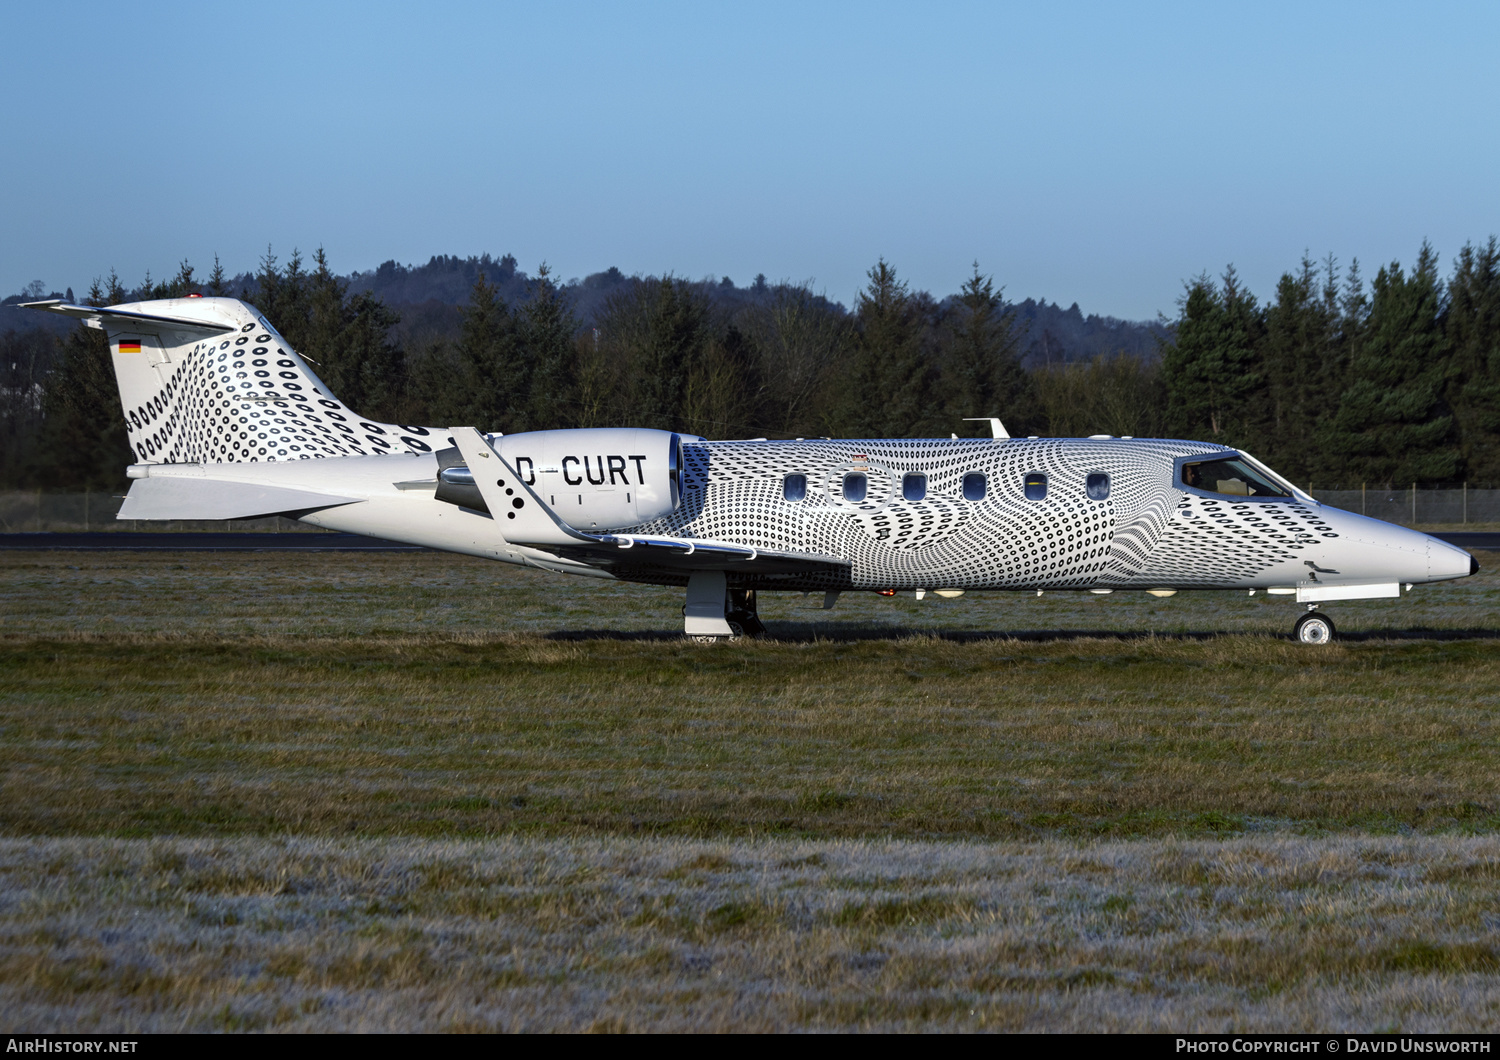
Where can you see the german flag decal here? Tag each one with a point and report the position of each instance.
(129, 346)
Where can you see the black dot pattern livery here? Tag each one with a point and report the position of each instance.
(243, 396)
(1141, 534)
(905, 513)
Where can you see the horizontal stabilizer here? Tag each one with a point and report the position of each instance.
(197, 498)
(128, 320)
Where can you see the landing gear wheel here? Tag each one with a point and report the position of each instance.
(1314, 628)
(743, 616)
(736, 632)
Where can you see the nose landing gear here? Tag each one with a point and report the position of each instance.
(1314, 628)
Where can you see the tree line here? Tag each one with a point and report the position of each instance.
(1336, 383)
(1332, 382)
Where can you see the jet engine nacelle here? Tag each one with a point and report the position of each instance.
(594, 479)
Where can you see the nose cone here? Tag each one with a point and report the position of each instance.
(1365, 549)
(1445, 561)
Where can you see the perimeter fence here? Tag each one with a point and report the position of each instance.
(31, 511)
(1418, 507)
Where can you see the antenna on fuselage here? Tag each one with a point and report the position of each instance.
(997, 429)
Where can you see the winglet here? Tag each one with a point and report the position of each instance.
(996, 427)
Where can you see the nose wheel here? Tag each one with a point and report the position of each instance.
(1314, 628)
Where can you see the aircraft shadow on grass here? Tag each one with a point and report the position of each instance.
(799, 633)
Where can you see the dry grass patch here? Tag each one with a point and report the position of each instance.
(637, 934)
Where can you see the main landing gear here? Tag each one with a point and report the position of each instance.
(1314, 628)
(716, 612)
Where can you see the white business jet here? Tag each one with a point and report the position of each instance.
(228, 422)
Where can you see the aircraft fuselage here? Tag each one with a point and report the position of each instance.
(1041, 514)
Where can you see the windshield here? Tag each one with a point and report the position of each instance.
(1231, 476)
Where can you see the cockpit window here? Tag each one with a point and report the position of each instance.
(1232, 477)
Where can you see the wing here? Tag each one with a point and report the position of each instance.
(632, 553)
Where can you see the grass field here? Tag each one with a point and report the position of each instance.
(521, 800)
(633, 934)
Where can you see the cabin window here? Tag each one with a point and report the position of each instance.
(1036, 487)
(1096, 485)
(974, 486)
(794, 487)
(914, 486)
(1231, 477)
(855, 487)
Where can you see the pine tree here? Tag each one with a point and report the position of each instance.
(1212, 370)
(435, 393)
(313, 311)
(347, 338)
(655, 330)
(282, 297)
(1473, 334)
(888, 390)
(85, 443)
(495, 369)
(982, 372)
(27, 360)
(720, 395)
(113, 292)
(547, 327)
(183, 284)
(1393, 425)
(1300, 360)
(380, 382)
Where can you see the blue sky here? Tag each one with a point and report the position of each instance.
(1101, 153)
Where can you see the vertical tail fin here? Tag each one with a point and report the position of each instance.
(208, 380)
